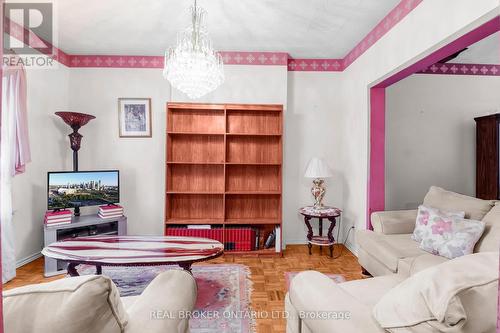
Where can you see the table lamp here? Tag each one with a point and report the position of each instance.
(318, 169)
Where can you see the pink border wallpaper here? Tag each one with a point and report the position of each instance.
(462, 69)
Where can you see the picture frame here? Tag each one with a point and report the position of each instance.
(134, 118)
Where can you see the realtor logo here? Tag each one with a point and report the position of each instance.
(29, 28)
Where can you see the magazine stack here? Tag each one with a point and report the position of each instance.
(110, 211)
(59, 217)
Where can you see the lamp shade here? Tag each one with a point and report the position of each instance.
(317, 168)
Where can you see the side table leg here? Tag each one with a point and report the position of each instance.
(186, 266)
(309, 232)
(331, 239)
(72, 269)
(98, 269)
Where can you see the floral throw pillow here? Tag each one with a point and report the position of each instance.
(422, 223)
(451, 237)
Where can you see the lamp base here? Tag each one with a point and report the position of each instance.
(318, 191)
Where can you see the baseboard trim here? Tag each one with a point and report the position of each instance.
(29, 259)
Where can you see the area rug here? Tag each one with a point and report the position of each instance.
(223, 288)
(337, 278)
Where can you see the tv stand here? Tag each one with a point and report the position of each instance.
(85, 225)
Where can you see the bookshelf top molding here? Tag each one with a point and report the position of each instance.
(230, 107)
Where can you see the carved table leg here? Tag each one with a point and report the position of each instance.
(331, 239)
(187, 267)
(72, 269)
(309, 232)
(320, 233)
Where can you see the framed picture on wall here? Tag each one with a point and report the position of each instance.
(134, 115)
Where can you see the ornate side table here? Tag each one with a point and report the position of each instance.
(330, 213)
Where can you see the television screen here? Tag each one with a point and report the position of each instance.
(83, 188)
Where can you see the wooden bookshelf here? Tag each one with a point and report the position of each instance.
(224, 166)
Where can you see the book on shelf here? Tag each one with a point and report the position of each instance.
(109, 216)
(111, 208)
(63, 219)
(57, 214)
(57, 223)
(57, 217)
(278, 238)
(110, 211)
(199, 226)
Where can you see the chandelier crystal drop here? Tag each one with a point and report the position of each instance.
(193, 66)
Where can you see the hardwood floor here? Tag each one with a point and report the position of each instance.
(268, 276)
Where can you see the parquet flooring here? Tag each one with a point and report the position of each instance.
(268, 276)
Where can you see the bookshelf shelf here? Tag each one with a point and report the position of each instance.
(224, 168)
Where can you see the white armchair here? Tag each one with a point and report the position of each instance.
(92, 304)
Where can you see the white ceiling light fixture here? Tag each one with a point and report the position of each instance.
(193, 66)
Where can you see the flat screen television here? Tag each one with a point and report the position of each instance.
(72, 189)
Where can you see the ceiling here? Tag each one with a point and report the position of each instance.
(302, 28)
(486, 51)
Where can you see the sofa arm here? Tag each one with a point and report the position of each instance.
(163, 304)
(394, 222)
(323, 306)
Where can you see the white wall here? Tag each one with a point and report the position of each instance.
(47, 93)
(430, 134)
(312, 130)
(410, 40)
(141, 161)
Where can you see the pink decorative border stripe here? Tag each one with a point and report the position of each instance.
(255, 58)
(115, 61)
(229, 58)
(462, 69)
(316, 65)
(388, 22)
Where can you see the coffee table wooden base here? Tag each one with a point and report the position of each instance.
(72, 271)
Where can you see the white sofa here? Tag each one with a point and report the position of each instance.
(402, 273)
(389, 249)
(91, 304)
(459, 295)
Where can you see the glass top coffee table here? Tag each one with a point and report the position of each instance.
(133, 251)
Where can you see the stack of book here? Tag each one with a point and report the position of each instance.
(110, 211)
(59, 217)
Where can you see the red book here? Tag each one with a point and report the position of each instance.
(64, 219)
(111, 207)
(58, 213)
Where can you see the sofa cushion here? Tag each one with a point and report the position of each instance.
(451, 237)
(388, 249)
(412, 265)
(490, 241)
(321, 303)
(369, 291)
(441, 297)
(474, 208)
(424, 215)
(78, 304)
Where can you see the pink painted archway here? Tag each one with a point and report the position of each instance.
(376, 173)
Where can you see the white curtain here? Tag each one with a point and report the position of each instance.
(13, 100)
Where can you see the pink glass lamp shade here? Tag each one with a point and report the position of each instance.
(75, 119)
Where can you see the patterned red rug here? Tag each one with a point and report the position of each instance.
(337, 278)
(223, 288)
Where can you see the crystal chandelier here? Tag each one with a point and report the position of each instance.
(193, 66)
